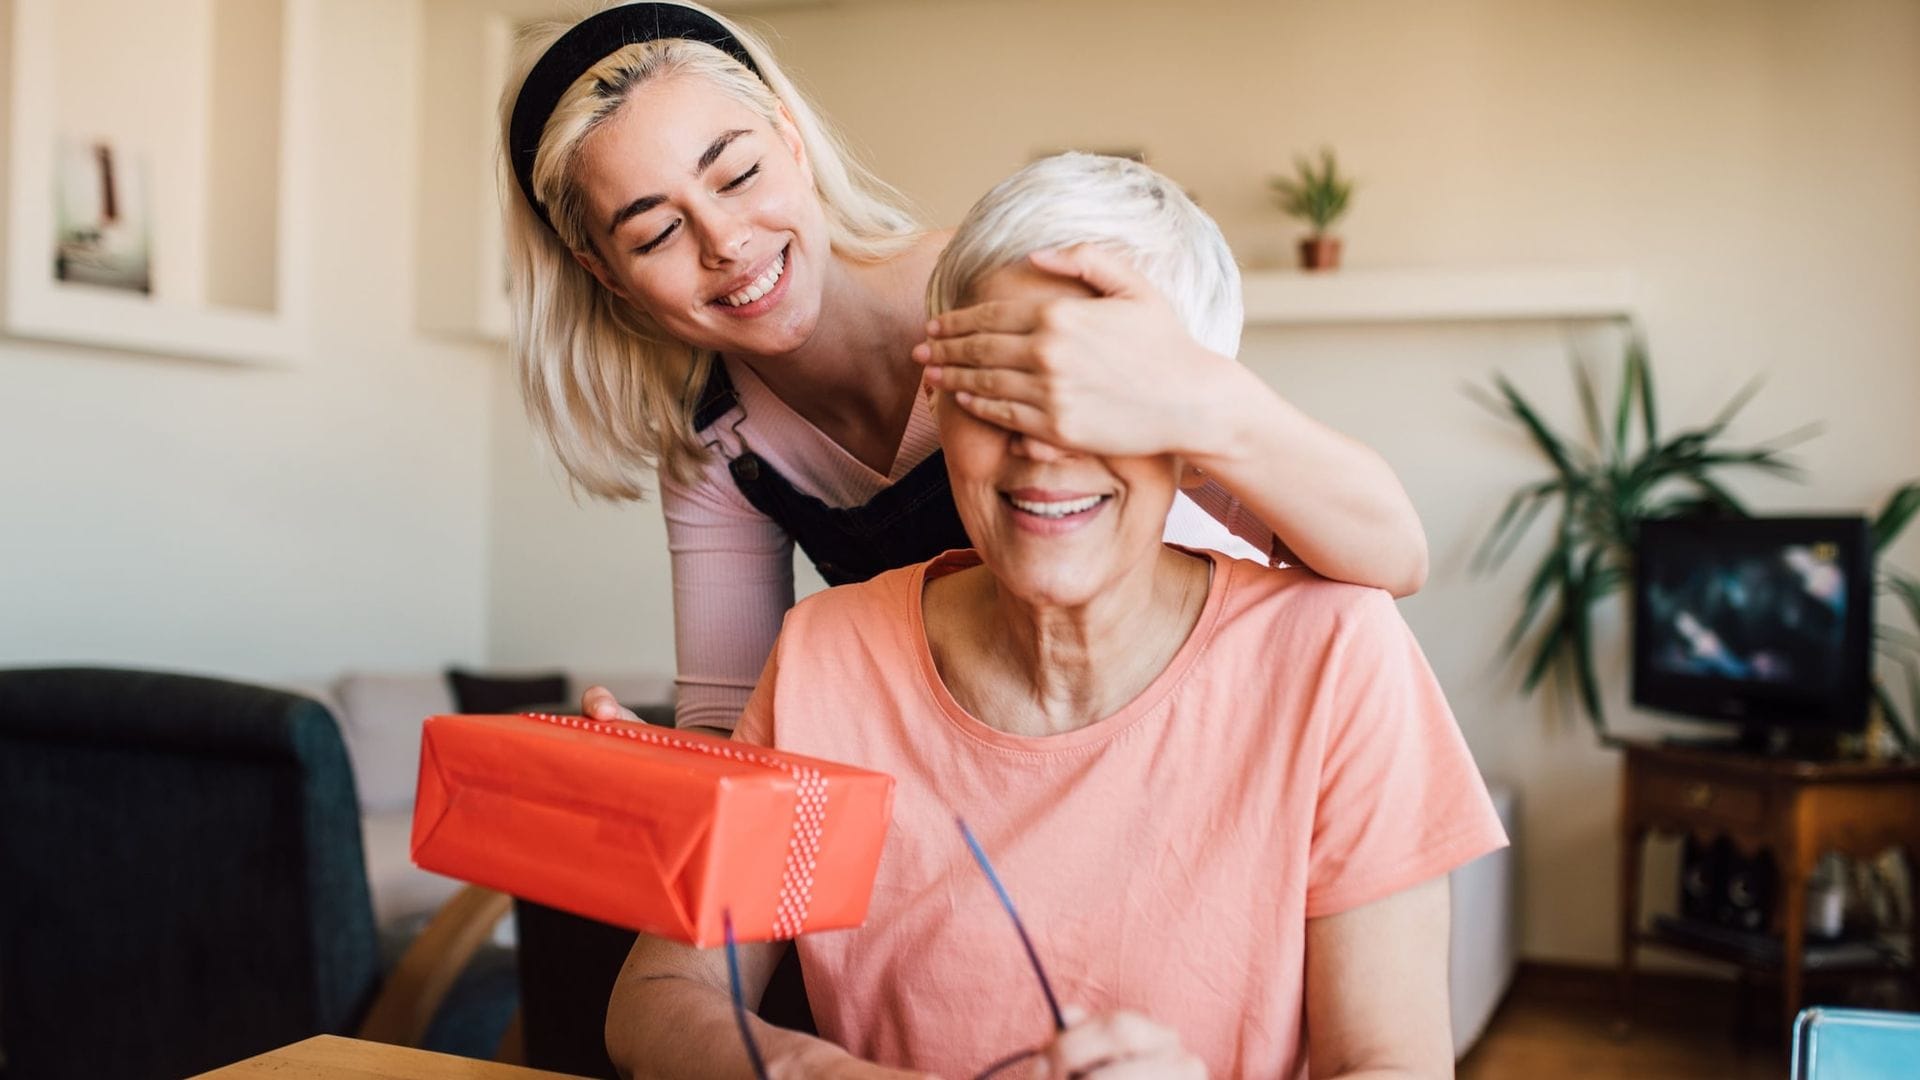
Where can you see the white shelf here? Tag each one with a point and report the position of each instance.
(1285, 297)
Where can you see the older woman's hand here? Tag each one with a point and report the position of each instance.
(1115, 373)
(598, 703)
(1120, 1046)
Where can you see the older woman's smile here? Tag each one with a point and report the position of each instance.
(1050, 512)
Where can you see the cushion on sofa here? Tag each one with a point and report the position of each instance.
(380, 715)
(485, 692)
(400, 889)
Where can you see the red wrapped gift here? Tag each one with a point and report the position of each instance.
(648, 828)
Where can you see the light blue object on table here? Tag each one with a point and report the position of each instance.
(1855, 1044)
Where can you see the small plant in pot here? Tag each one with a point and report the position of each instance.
(1317, 196)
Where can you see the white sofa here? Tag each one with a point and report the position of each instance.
(380, 716)
(1485, 941)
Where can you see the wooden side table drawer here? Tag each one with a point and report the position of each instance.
(1690, 797)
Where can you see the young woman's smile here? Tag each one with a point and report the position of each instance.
(758, 291)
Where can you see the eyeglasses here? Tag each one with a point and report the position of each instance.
(1006, 901)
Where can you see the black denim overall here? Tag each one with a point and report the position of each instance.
(908, 522)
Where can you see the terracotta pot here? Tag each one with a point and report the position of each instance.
(1320, 253)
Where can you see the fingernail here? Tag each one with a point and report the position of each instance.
(923, 352)
(933, 373)
(933, 327)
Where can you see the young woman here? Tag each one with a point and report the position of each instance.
(707, 289)
(1225, 796)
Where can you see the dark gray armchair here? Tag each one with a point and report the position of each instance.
(182, 886)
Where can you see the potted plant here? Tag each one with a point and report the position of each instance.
(1624, 473)
(1317, 196)
(1900, 646)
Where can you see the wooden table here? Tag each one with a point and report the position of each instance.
(330, 1057)
(1798, 810)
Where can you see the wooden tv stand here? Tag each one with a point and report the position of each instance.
(1798, 810)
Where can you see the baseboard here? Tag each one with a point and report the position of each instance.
(1601, 983)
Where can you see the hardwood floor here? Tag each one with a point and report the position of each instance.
(1561, 1022)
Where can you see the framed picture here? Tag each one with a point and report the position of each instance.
(156, 157)
(100, 217)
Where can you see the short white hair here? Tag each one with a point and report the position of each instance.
(1111, 202)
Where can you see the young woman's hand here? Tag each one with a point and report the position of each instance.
(1119, 1046)
(1115, 373)
(598, 703)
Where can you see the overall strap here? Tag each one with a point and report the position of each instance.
(907, 522)
(716, 397)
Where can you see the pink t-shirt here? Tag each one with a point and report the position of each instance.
(1295, 759)
(733, 565)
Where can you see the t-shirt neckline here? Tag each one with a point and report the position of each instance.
(1144, 704)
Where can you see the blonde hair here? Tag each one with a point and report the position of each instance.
(1116, 203)
(611, 392)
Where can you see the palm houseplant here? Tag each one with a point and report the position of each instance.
(1317, 195)
(1626, 470)
(1898, 645)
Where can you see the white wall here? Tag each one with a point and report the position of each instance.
(266, 522)
(1756, 164)
(579, 584)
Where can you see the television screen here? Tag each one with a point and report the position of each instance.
(1761, 621)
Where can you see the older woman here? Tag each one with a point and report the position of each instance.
(1224, 795)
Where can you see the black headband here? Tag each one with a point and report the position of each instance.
(591, 41)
